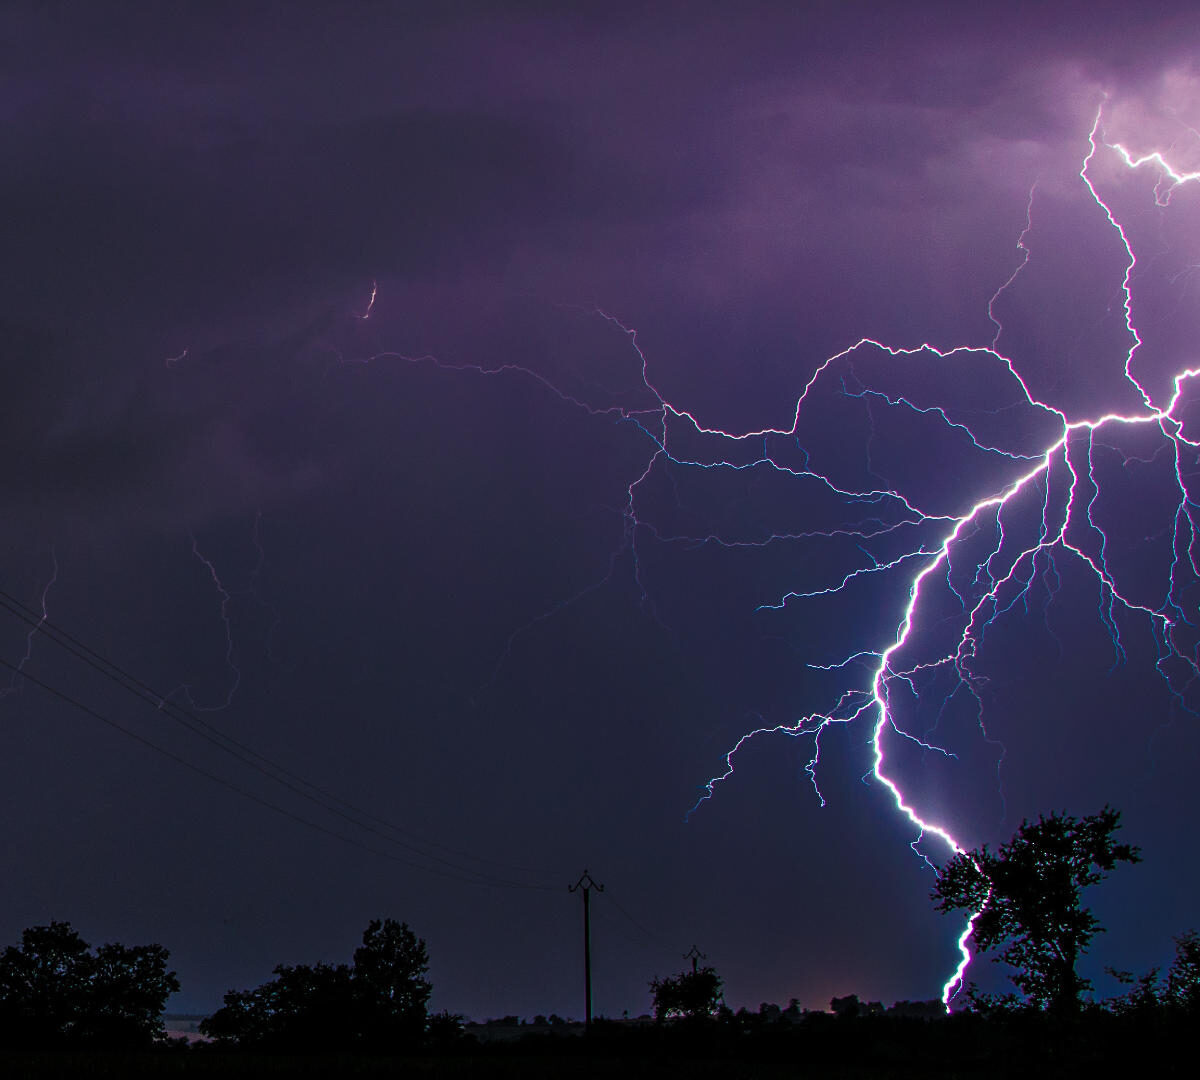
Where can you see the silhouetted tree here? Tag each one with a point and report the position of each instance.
(379, 1003)
(1179, 991)
(444, 1030)
(1144, 997)
(54, 991)
(691, 994)
(1183, 977)
(303, 1007)
(390, 984)
(1027, 895)
(846, 1008)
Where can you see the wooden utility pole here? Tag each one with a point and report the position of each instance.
(693, 954)
(585, 884)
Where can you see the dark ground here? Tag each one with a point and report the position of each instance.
(960, 1047)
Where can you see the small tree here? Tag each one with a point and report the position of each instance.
(846, 1008)
(690, 994)
(1179, 991)
(1183, 977)
(1027, 895)
(54, 991)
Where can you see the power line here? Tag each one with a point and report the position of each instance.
(263, 765)
(214, 735)
(200, 770)
(650, 937)
(327, 800)
(619, 927)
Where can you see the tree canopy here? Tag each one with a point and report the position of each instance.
(389, 975)
(690, 994)
(380, 1002)
(1027, 896)
(55, 991)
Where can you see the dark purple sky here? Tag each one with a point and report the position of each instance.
(399, 534)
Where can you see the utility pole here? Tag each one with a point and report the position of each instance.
(693, 954)
(585, 884)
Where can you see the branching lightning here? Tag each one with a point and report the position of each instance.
(1005, 574)
(982, 558)
(1170, 180)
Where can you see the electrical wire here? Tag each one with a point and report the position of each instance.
(651, 939)
(293, 782)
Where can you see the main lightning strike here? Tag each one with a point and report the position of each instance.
(1020, 570)
(1010, 565)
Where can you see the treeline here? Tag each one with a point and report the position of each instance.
(1028, 1042)
(377, 1004)
(58, 993)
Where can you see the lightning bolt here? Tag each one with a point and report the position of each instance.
(16, 682)
(1169, 181)
(1005, 573)
(370, 302)
(226, 602)
(983, 558)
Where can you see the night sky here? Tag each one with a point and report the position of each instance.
(364, 372)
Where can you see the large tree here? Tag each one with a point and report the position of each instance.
(389, 973)
(1027, 895)
(55, 991)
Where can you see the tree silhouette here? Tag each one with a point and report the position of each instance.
(1027, 895)
(389, 978)
(846, 1008)
(379, 1003)
(54, 991)
(303, 1007)
(1183, 977)
(690, 994)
